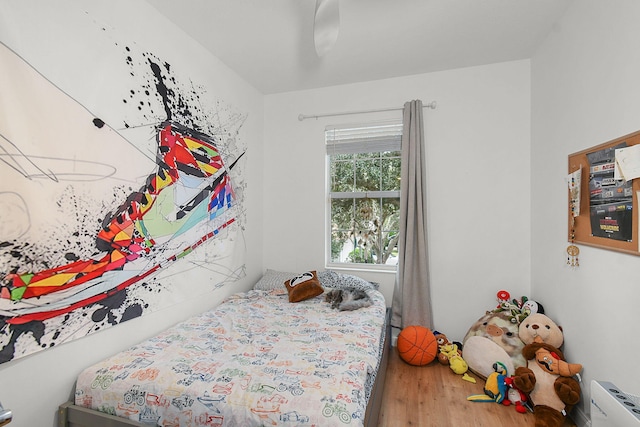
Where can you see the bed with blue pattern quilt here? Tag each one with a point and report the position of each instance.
(255, 360)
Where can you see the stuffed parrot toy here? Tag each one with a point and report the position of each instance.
(495, 388)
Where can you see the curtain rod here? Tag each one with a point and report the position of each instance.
(302, 117)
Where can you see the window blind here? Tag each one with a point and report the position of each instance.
(364, 139)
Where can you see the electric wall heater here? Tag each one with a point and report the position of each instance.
(610, 407)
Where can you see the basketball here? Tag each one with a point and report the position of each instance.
(417, 345)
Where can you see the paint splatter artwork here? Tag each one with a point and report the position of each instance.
(97, 226)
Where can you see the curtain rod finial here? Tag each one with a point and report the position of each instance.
(432, 105)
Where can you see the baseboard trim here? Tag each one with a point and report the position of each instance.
(580, 418)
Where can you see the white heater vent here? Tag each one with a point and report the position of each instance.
(611, 407)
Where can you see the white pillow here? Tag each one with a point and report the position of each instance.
(273, 279)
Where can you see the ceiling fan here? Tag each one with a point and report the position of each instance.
(326, 25)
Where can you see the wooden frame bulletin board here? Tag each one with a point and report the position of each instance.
(582, 227)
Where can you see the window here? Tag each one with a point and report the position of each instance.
(363, 182)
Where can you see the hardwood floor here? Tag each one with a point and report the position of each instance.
(433, 395)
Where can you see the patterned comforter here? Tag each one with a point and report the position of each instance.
(254, 360)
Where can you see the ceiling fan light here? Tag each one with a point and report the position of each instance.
(326, 25)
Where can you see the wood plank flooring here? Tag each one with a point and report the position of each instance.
(433, 395)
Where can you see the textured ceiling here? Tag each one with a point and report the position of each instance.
(270, 42)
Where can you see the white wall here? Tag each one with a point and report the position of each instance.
(585, 91)
(477, 148)
(496, 152)
(72, 43)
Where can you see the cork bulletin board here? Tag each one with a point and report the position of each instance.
(608, 208)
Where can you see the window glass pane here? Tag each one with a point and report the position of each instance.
(342, 214)
(389, 231)
(365, 215)
(342, 175)
(390, 174)
(391, 207)
(341, 246)
(368, 175)
(341, 229)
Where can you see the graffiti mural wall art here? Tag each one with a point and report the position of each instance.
(95, 228)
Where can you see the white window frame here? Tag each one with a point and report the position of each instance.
(351, 139)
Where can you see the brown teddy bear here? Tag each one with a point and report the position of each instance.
(548, 378)
(538, 325)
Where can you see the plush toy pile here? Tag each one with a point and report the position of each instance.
(494, 337)
(517, 349)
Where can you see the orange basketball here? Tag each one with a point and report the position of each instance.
(417, 345)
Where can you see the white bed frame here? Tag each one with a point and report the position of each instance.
(71, 415)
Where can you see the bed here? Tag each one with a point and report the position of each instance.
(255, 360)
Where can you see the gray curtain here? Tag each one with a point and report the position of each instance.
(411, 294)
